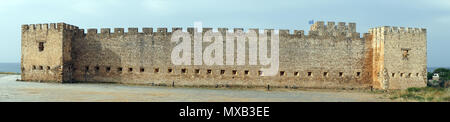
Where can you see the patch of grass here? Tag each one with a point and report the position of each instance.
(411, 96)
(394, 97)
(413, 89)
(427, 94)
(378, 91)
(446, 99)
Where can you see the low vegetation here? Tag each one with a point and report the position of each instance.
(425, 94)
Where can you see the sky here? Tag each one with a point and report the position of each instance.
(263, 14)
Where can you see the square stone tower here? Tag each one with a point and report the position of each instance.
(399, 57)
(46, 52)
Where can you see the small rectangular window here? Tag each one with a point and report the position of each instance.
(86, 68)
(209, 71)
(197, 71)
(183, 71)
(34, 67)
(156, 70)
(341, 74)
(41, 46)
(325, 74)
(281, 73)
(417, 74)
(97, 68)
(246, 72)
(120, 69)
(41, 67)
(142, 70)
(393, 75)
(401, 74)
(234, 72)
(169, 70)
(296, 74)
(222, 72)
(260, 73)
(358, 74)
(309, 73)
(48, 67)
(130, 69)
(108, 69)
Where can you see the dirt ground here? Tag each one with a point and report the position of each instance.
(12, 90)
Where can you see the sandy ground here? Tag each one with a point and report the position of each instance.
(12, 90)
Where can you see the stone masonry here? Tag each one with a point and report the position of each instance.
(330, 56)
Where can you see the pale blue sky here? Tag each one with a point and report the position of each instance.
(277, 14)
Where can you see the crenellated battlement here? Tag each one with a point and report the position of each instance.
(45, 27)
(147, 30)
(394, 29)
(340, 30)
(319, 29)
(331, 26)
(119, 31)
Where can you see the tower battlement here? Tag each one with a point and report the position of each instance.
(331, 29)
(51, 26)
(394, 29)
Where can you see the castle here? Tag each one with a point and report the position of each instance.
(330, 56)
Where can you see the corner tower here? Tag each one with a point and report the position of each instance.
(46, 52)
(399, 57)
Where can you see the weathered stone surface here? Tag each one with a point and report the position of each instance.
(330, 56)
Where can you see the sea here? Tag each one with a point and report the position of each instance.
(10, 67)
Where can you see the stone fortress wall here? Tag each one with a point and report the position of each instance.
(330, 56)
